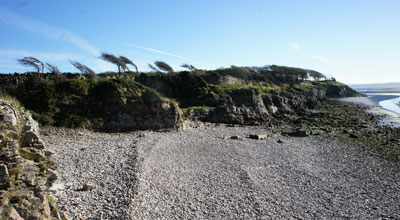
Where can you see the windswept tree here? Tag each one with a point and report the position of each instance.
(317, 76)
(162, 67)
(32, 62)
(154, 68)
(52, 68)
(127, 62)
(84, 69)
(114, 60)
(189, 67)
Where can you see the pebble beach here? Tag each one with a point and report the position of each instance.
(219, 173)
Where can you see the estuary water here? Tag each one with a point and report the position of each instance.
(389, 101)
(383, 104)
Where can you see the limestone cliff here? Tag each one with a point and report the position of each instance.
(26, 171)
(235, 104)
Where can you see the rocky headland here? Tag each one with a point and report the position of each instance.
(123, 102)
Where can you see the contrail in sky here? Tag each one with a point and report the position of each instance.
(35, 26)
(169, 54)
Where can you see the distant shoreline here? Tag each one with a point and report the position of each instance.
(376, 99)
(390, 118)
(394, 90)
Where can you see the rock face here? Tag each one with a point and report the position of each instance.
(160, 114)
(26, 171)
(253, 106)
(133, 107)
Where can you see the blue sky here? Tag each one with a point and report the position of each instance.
(355, 41)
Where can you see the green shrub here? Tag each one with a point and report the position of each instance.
(73, 121)
(104, 91)
(73, 87)
(38, 95)
(43, 118)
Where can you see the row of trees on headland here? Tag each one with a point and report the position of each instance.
(271, 73)
(121, 62)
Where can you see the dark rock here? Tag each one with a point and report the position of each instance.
(4, 177)
(353, 135)
(302, 133)
(258, 136)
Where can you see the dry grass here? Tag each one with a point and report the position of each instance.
(5, 96)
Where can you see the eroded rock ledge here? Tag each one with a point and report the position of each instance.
(26, 170)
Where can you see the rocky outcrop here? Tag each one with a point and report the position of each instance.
(253, 106)
(154, 114)
(26, 171)
(128, 105)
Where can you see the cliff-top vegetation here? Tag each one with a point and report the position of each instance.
(92, 100)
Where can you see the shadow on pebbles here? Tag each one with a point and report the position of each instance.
(219, 173)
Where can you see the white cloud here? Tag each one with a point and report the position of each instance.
(170, 54)
(16, 54)
(319, 58)
(294, 46)
(35, 26)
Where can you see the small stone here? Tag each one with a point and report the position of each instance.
(30, 138)
(63, 215)
(234, 137)
(280, 141)
(88, 187)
